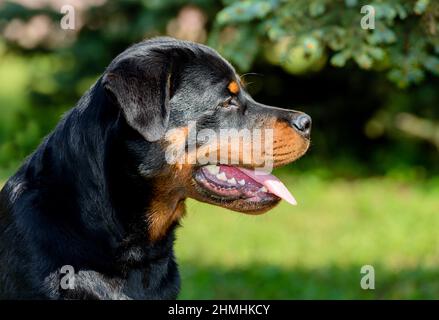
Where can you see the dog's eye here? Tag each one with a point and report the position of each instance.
(231, 102)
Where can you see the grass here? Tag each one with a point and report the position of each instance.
(316, 250)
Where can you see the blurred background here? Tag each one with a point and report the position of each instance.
(368, 189)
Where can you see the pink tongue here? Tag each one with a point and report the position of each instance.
(273, 184)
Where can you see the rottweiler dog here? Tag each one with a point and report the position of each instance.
(92, 213)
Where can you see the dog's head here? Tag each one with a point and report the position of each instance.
(190, 110)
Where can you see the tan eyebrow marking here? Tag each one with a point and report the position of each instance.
(233, 87)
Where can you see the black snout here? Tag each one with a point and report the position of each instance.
(302, 123)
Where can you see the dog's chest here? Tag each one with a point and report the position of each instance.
(155, 283)
(160, 280)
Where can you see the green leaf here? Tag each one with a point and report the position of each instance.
(376, 52)
(339, 59)
(432, 65)
(421, 6)
(363, 60)
(239, 45)
(245, 11)
(316, 8)
(381, 35)
(336, 38)
(351, 3)
(396, 75)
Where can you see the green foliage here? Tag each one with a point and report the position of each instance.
(21, 126)
(404, 42)
(285, 41)
(245, 11)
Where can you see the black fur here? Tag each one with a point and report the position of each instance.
(80, 198)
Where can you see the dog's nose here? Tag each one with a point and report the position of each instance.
(302, 123)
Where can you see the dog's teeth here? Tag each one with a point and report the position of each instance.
(232, 181)
(263, 189)
(213, 169)
(221, 176)
(241, 182)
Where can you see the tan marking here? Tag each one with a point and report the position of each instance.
(287, 139)
(168, 204)
(162, 214)
(233, 87)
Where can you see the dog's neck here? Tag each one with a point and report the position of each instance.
(112, 221)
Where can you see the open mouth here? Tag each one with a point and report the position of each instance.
(228, 183)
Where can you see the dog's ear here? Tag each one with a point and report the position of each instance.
(141, 86)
